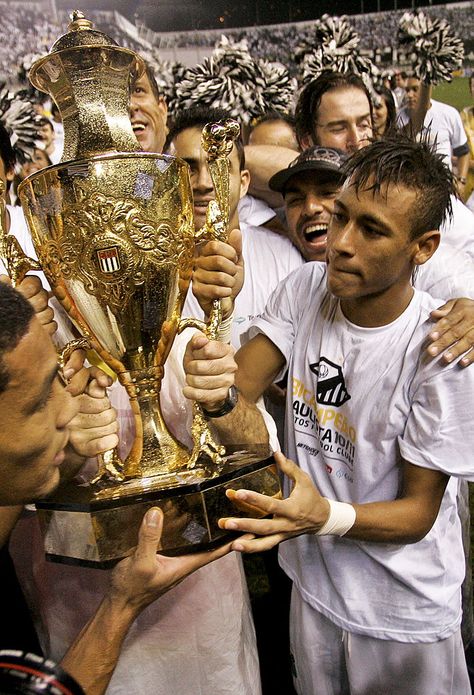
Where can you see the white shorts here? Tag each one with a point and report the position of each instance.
(331, 661)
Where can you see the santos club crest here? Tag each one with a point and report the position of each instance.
(331, 388)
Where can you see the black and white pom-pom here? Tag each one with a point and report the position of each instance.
(334, 47)
(21, 123)
(226, 80)
(436, 50)
(277, 88)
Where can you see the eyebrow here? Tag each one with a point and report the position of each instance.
(44, 393)
(371, 219)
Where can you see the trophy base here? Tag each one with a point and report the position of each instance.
(83, 527)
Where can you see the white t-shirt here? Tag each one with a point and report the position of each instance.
(458, 233)
(449, 273)
(375, 400)
(254, 211)
(443, 123)
(268, 259)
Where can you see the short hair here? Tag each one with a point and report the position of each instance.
(270, 116)
(7, 152)
(310, 100)
(198, 117)
(45, 121)
(16, 314)
(397, 159)
(150, 73)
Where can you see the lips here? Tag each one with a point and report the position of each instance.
(311, 232)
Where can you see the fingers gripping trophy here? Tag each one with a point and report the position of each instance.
(114, 234)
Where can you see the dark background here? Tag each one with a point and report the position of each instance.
(183, 15)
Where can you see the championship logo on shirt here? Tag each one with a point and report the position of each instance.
(331, 388)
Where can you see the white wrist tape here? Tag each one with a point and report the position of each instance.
(223, 334)
(341, 519)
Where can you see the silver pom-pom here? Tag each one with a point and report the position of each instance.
(21, 123)
(436, 50)
(334, 47)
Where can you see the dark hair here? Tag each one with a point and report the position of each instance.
(387, 96)
(270, 116)
(150, 73)
(310, 98)
(198, 117)
(399, 160)
(6, 150)
(15, 317)
(45, 121)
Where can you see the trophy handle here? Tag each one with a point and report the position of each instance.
(110, 465)
(16, 262)
(217, 140)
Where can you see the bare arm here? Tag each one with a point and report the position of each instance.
(406, 519)
(263, 161)
(136, 582)
(211, 370)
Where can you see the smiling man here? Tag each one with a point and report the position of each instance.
(148, 112)
(379, 435)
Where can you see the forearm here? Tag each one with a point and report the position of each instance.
(92, 657)
(263, 161)
(244, 425)
(463, 166)
(399, 521)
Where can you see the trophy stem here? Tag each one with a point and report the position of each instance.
(155, 451)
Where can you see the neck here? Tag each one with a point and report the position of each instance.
(378, 309)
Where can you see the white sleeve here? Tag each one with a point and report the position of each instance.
(439, 432)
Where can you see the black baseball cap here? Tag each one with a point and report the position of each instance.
(327, 161)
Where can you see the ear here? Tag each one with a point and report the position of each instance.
(163, 108)
(425, 246)
(10, 175)
(306, 141)
(244, 182)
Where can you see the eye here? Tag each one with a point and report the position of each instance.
(293, 200)
(338, 217)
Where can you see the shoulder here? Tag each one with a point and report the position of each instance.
(264, 240)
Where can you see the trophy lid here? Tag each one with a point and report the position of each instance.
(88, 75)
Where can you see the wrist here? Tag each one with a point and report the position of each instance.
(223, 407)
(341, 519)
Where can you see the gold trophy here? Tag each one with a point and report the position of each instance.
(113, 230)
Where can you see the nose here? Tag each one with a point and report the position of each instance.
(202, 179)
(341, 239)
(312, 206)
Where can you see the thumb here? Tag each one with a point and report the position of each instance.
(442, 310)
(287, 466)
(235, 240)
(5, 279)
(149, 535)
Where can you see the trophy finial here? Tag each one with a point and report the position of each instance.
(79, 21)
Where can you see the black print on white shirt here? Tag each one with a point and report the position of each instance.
(331, 388)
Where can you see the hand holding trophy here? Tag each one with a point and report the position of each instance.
(114, 233)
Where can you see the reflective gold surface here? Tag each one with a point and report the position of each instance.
(114, 233)
(115, 238)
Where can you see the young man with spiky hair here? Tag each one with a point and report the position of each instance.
(379, 435)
